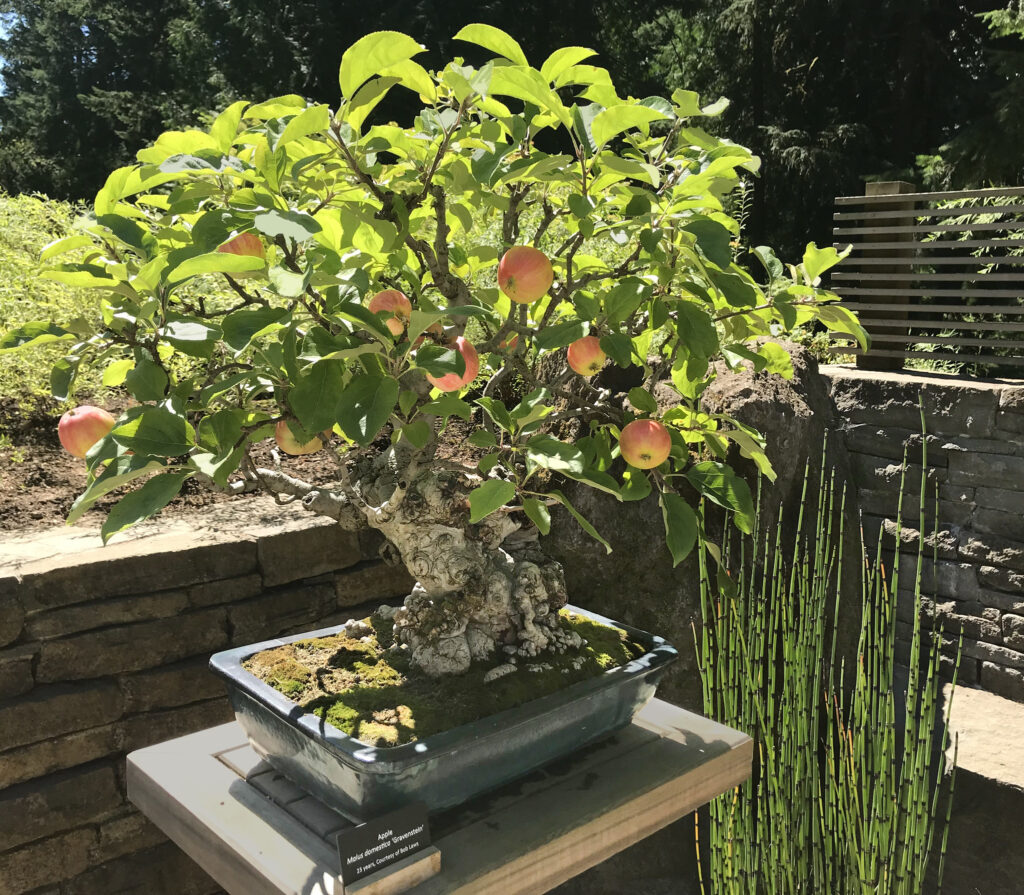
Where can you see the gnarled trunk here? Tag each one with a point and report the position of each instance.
(481, 588)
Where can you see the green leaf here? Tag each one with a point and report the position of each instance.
(713, 239)
(448, 405)
(681, 526)
(225, 127)
(417, 433)
(635, 484)
(497, 411)
(719, 484)
(372, 54)
(440, 361)
(216, 467)
(115, 373)
(817, 261)
(296, 225)
(495, 40)
(481, 438)
(315, 395)
(531, 407)
(559, 335)
(213, 262)
(38, 332)
(623, 300)
(538, 514)
(192, 336)
(643, 400)
(769, 261)
(242, 326)
(365, 405)
(549, 453)
(147, 381)
(490, 496)
(696, 329)
(842, 320)
(156, 432)
(583, 523)
(619, 347)
(621, 118)
(563, 59)
(66, 244)
(120, 471)
(143, 503)
(308, 121)
(62, 377)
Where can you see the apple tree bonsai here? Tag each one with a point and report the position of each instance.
(528, 229)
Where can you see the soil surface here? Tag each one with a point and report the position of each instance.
(39, 480)
(364, 686)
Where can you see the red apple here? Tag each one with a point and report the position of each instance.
(452, 382)
(586, 356)
(80, 428)
(645, 444)
(288, 443)
(400, 307)
(524, 274)
(244, 244)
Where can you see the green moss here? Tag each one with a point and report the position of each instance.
(377, 699)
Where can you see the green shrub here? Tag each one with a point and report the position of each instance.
(27, 224)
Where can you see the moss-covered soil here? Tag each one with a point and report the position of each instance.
(372, 694)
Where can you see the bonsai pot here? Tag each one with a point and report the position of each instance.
(447, 768)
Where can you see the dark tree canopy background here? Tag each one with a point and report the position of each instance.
(828, 93)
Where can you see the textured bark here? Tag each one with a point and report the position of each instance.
(480, 588)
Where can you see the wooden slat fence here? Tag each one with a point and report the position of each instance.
(934, 275)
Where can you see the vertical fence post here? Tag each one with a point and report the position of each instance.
(902, 260)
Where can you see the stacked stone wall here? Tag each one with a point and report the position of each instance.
(973, 568)
(104, 650)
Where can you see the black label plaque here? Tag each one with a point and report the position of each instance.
(374, 845)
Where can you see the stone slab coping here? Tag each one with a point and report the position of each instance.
(918, 377)
(247, 518)
(991, 735)
(205, 792)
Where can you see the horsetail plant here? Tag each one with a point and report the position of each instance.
(847, 781)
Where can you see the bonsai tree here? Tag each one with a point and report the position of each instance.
(530, 228)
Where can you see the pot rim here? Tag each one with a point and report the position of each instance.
(228, 664)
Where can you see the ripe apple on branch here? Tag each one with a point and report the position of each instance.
(384, 280)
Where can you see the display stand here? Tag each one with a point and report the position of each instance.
(255, 832)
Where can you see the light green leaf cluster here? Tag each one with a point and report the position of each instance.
(304, 213)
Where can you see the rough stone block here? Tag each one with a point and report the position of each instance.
(371, 582)
(1002, 579)
(132, 647)
(135, 567)
(306, 553)
(1013, 631)
(161, 870)
(46, 625)
(12, 613)
(1005, 682)
(1010, 423)
(57, 754)
(52, 711)
(146, 729)
(16, 670)
(973, 627)
(46, 862)
(229, 590)
(990, 652)
(1007, 525)
(130, 832)
(62, 802)
(169, 686)
(281, 611)
(993, 550)
(991, 470)
(1002, 499)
